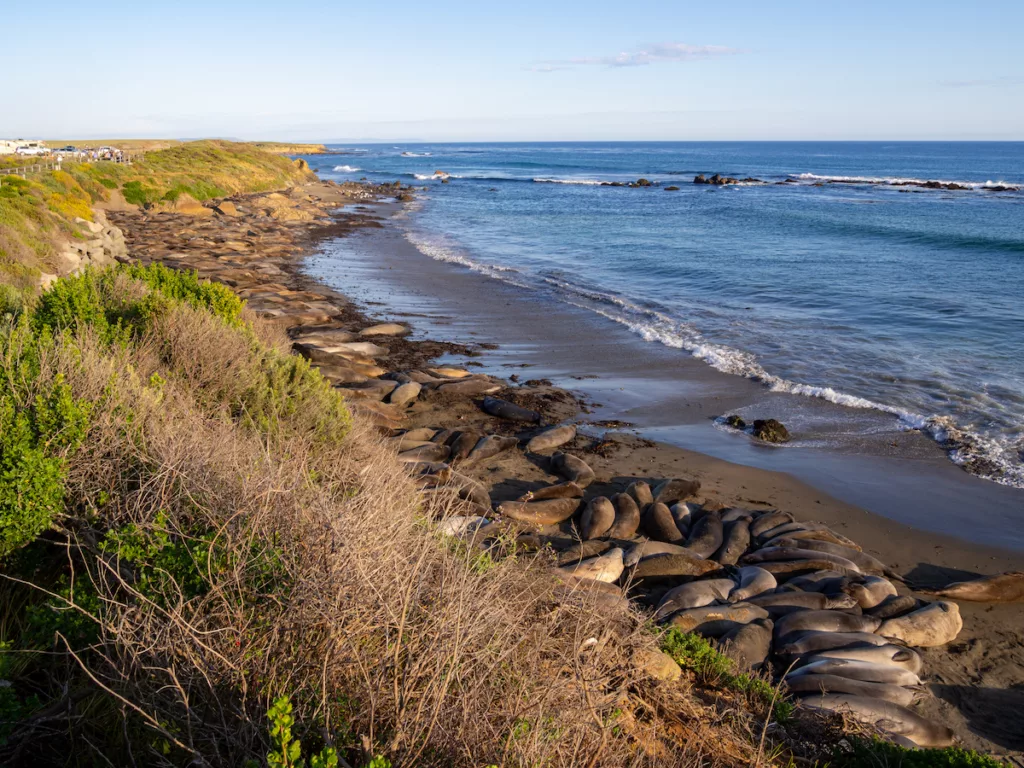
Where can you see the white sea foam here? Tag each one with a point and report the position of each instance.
(346, 169)
(965, 446)
(586, 182)
(435, 175)
(898, 180)
(416, 154)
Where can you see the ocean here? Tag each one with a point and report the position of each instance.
(837, 274)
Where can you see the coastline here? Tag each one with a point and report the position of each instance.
(970, 698)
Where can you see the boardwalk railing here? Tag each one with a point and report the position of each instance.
(53, 163)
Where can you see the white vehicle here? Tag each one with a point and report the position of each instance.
(32, 149)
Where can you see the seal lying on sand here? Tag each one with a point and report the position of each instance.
(810, 685)
(753, 581)
(716, 620)
(657, 522)
(1004, 588)
(886, 716)
(652, 548)
(735, 541)
(597, 518)
(894, 655)
(779, 604)
(748, 644)
(824, 621)
(821, 642)
(606, 568)
(935, 624)
(856, 669)
(627, 517)
(506, 410)
(706, 535)
(566, 490)
(696, 594)
(550, 439)
(549, 512)
(572, 468)
(871, 591)
(641, 493)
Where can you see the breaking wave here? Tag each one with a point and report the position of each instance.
(346, 168)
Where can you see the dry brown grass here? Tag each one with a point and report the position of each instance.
(326, 581)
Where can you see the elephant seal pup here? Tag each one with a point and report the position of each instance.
(657, 522)
(641, 493)
(582, 550)
(550, 439)
(824, 621)
(735, 540)
(935, 624)
(884, 715)
(893, 655)
(810, 685)
(855, 669)
(804, 643)
(489, 447)
(627, 517)
(1003, 588)
(768, 521)
(652, 548)
(670, 491)
(695, 594)
(566, 490)
(597, 518)
(864, 561)
(661, 566)
(550, 512)
(706, 535)
(871, 591)
(716, 620)
(897, 605)
(752, 581)
(572, 468)
(778, 604)
(506, 410)
(748, 644)
(607, 567)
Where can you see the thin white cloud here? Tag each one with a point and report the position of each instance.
(993, 82)
(654, 54)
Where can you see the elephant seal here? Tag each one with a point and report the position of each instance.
(463, 443)
(862, 560)
(489, 447)
(824, 621)
(776, 554)
(572, 468)
(406, 393)
(676, 564)
(748, 644)
(695, 594)
(510, 411)
(894, 606)
(683, 514)
(470, 387)
(732, 514)
(735, 540)
(597, 518)
(420, 433)
(895, 655)
(786, 569)
(855, 669)
(815, 642)
(657, 522)
(753, 581)
(641, 493)
(1003, 588)
(550, 439)
(706, 535)
(812, 532)
(871, 591)
(566, 490)
(582, 550)
(550, 512)
(652, 548)
(935, 624)
(886, 716)
(829, 582)
(811, 685)
(671, 491)
(778, 604)
(716, 620)
(428, 452)
(767, 521)
(627, 517)
(607, 567)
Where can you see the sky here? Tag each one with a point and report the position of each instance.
(319, 70)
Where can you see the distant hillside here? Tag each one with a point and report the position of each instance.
(279, 148)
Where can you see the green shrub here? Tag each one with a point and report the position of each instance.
(871, 753)
(12, 302)
(287, 751)
(135, 193)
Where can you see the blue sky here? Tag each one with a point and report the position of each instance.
(463, 71)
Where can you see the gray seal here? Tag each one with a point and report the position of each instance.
(935, 624)
(871, 591)
(652, 548)
(706, 535)
(821, 642)
(489, 447)
(779, 604)
(641, 493)
(627, 517)
(748, 644)
(857, 669)
(550, 439)
(1003, 588)
(753, 581)
(864, 561)
(895, 655)
(658, 523)
(572, 468)
(597, 518)
(695, 594)
(510, 411)
(735, 540)
(824, 621)
(670, 491)
(716, 620)
(885, 715)
(811, 685)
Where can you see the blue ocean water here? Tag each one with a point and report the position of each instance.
(839, 277)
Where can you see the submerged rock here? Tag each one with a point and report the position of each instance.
(735, 421)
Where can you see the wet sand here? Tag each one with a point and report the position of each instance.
(905, 503)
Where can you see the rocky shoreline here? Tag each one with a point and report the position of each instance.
(624, 518)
